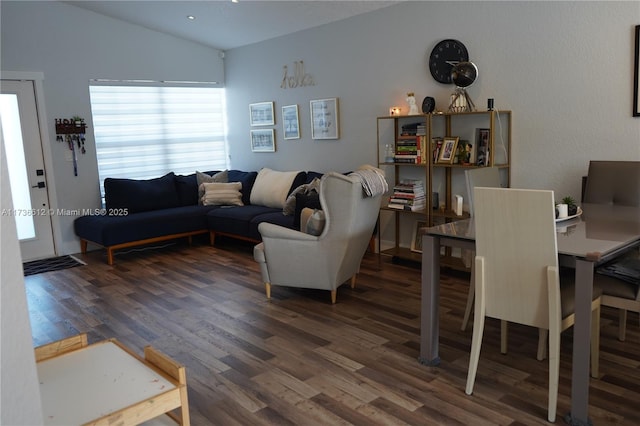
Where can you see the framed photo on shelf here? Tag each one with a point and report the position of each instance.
(263, 140)
(482, 147)
(261, 114)
(416, 241)
(325, 119)
(290, 122)
(448, 150)
(636, 75)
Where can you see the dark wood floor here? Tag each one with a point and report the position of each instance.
(298, 360)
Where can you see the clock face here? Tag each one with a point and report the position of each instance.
(444, 56)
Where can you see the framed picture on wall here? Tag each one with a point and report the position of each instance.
(636, 75)
(261, 114)
(290, 122)
(325, 119)
(263, 140)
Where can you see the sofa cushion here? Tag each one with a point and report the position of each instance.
(247, 180)
(236, 219)
(111, 230)
(221, 194)
(276, 217)
(141, 195)
(187, 188)
(272, 187)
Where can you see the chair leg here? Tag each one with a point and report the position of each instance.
(476, 343)
(267, 288)
(470, 298)
(595, 341)
(622, 319)
(353, 281)
(334, 294)
(543, 333)
(504, 333)
(554, 370)
(478, 328)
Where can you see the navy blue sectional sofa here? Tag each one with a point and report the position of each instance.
(140, 212)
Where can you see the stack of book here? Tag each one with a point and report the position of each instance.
(408, 195)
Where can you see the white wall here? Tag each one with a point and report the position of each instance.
(71, 46)
(563, 68)
(19, 391)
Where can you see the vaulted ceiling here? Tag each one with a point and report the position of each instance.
(224, 24)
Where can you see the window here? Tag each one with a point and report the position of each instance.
(146, 131)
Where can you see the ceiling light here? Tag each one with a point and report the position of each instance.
(191, 17)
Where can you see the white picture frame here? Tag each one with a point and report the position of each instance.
(263, 140)
(261, 114)
(325, 119)
(290, 122)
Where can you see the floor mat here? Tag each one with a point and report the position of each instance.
(51, 264)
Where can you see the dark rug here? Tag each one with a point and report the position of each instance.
(51, 264)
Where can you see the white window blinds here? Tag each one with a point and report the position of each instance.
(144, 132)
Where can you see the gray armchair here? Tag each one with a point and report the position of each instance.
(291, 258)
(615, 182)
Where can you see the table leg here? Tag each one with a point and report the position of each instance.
(429, 320)
(579, 415)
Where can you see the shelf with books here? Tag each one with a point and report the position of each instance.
(474, 139)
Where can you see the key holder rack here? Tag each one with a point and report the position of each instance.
(72, 132)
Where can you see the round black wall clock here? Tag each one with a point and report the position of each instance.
(444, 56)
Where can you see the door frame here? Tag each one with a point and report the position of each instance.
(38, 86)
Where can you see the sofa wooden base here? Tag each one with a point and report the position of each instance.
(212, 237)
(111, 249)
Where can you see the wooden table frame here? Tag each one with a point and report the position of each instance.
(172, 401)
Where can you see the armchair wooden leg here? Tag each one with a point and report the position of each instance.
(595, 341)
(334, 294)
(504, 331)
(622, 319)
(353, 281)
(267, 288)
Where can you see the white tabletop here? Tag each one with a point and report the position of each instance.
(92, 382)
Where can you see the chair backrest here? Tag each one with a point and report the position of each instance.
(350, 219)
(516, 242)
(488, 177)
(613, 182)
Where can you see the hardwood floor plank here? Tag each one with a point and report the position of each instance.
(299, 360)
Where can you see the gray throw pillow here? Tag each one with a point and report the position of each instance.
(220, 177)
(316, 222)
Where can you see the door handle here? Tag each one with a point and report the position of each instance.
(39, 185)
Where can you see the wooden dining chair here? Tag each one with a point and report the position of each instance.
(517, 275)
(616, 183)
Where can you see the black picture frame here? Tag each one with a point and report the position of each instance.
(636, 75)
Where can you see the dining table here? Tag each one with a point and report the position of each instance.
(598, 234)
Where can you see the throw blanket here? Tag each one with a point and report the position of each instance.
(373, 181)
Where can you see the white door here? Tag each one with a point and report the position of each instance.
(22, 143)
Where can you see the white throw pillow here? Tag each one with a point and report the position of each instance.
(271, 187)
(222, 194)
